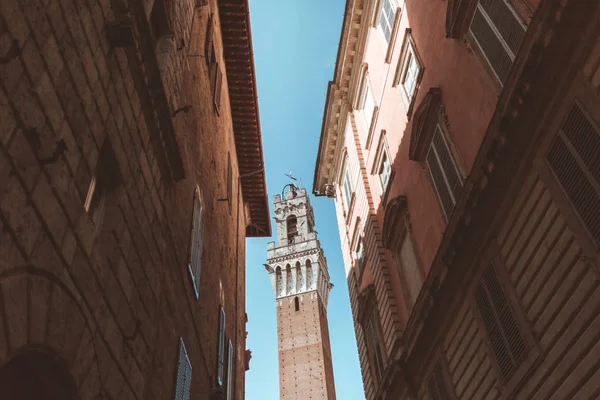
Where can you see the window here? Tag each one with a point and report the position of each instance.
(184, 374)
(410, 70)
(387, 15)
(437, 386)
(105, 180)
(218, 83)
(374, 343)
(229, 181)
(384, 171)
(410, 271)
(221, 359)
(292, 227)
(574, 158)
(296, 303)
(361, 258)
(367, 102)
(230, 371)
(498, 34)
(209, 49)
(159, 22)
(346, 184)
(444, 173)
(196, 241)
(506, 340)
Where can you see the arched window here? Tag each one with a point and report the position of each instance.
(279, 281)
(297, 303)
(299, 281)
(292, 227)
(289, 286)
(309, 275)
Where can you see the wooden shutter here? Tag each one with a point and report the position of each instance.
(375, 347)
(221, 359)
(209, 52)
(444, 172)
(230, 371)
(574, 157)
(196, 242)
(505, 337)
(184, 374)
(437, 386)
(217, 88)
(498, 33)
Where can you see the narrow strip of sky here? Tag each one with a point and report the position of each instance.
(295, 46)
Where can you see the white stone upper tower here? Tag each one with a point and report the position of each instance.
(297, 264)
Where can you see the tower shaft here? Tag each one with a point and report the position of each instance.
(300, 280)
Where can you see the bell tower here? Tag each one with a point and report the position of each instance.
(298, 271)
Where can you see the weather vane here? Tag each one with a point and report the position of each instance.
(293, 178)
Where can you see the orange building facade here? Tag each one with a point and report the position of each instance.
(461, 143)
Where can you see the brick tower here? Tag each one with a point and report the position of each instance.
(300, 279)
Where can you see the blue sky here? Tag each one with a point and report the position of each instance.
(295, 46)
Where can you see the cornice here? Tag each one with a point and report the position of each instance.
(350, 54)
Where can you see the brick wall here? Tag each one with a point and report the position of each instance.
(305, 368)
(112, 301)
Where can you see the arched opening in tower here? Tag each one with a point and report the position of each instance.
(290, 282)
(299, 281)
(34, 374)
(309, 275)
(292, 227)
(279, 281)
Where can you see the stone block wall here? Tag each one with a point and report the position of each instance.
(111, 295)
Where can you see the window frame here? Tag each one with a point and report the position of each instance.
(408, 50)
(371, 327)
(473, 43)
(495, 262)
(183, 356)
(583, 94)
(230, 371)
(445, 377)
(196, 235)
(221, 347)
(390, 23)
(345, 177)
(455, 163)
(381, 154)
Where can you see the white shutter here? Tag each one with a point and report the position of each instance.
(184, 374)
(221, 360)
(230, 372)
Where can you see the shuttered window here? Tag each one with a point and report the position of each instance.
(503, 332)
(498, 34)
(217, 88)
(361, 258)
(184, 374)
(437, 386)
(347, 185)
(386, 18)
(230, 372)
(195, 264)
(411, 272)
(221, 358)
(375, 346)
(574, 157)
(444, 173)
(384, 171)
